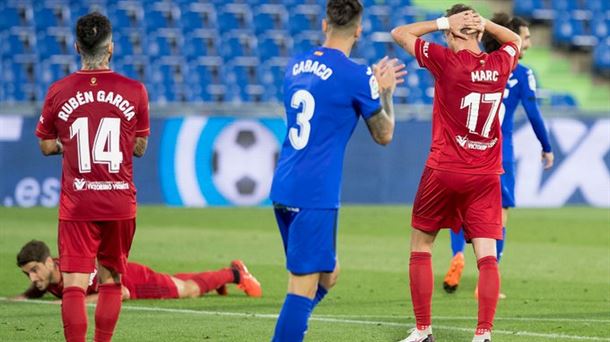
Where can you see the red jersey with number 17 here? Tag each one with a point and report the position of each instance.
(96, 114)
(468, 92)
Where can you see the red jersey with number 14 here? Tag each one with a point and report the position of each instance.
(468, 91)
(96, 114)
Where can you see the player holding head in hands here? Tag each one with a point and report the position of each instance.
(97, 119)
(521, 88)
(324, 94)
(460, 184)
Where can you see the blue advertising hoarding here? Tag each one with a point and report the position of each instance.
(223, 161)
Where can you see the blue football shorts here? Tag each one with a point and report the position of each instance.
(309, 237)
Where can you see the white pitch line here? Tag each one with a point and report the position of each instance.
(458, 318)
(330, 320)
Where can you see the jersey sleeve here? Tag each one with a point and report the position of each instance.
(509, 56)
(528, 99)
(366, 93)
(45, 129)
(430, 56)
(143, 114)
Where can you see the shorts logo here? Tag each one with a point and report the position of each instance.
(79, 184)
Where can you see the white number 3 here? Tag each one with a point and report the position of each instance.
(300, 137)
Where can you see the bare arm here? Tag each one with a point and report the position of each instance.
(406, 35)
(50, 147)
(388, 75)
(502, 34)
(140, 146)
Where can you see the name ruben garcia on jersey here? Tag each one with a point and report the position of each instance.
(86, 97)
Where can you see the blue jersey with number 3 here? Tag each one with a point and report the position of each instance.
(324, 94)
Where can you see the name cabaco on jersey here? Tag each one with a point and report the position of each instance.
(100, 96)
(80, 184)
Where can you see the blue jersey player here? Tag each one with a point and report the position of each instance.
(325, 93)
(521, 88)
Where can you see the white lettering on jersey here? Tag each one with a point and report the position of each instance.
(510, 50)
(531, 80)
(474, 145)
(80, 184)
(87, 97)
(425, 49)
(313, 67)
(373, 84)
(484, 76)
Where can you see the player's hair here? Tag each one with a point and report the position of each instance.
(34, 250)
(514, 24)
(343, 14)
(459, 8)
(93, 34)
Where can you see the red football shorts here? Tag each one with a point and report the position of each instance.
(81, 242)
(453, 200)
(144, 283)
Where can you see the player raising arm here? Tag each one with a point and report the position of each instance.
(325, 93)
(97, 119)
(460, 185)
(138, 282)
(521, 88)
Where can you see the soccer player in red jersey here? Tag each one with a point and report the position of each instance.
(460, 185)
(138, 281)
(97, 119)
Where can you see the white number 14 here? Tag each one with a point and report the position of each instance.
(108, 135)
(472, 101)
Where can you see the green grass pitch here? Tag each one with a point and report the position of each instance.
(555, 272)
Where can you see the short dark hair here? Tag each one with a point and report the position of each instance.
(92, 31)
(514, 24)
(343, 13)
(459, 8)
(33, 251)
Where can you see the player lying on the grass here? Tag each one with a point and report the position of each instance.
(460, 185)
(521, 87)
(138, 282)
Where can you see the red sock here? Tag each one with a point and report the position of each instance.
(422, 283)
(209, 281)
(74, 314)
(489, 289)
(107, 311)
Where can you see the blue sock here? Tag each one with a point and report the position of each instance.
(457, 242)
(320, 294)
(292, 323)
(500, 244)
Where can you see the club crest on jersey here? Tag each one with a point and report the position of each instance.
(79, 184)
(93, 81)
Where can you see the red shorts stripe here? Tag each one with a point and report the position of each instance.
(453, 200)
(81, 242)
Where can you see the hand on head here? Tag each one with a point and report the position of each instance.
(389, 73)
(466, 23)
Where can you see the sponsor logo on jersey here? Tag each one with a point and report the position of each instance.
(79, 184)
(475, 145)
(425, 49)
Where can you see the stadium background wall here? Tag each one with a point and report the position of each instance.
(226, 161)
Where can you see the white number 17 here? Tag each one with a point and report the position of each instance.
(472, 101)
